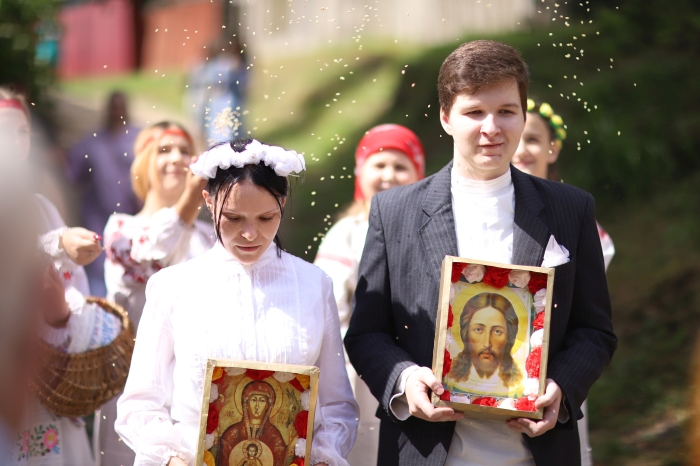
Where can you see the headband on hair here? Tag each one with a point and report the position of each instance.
(169, 131)
(283, 162)
(554, 120)
(12, 103)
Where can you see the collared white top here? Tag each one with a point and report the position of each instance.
(277, 310)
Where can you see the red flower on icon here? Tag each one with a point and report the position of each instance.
(539, 321)
(212, 419)
(447, 364)
(258, 375)
(298, 461)
(537, 282)
(301, 422)
(496, 277)
(485, 401)
(525, 404)
(450, 317)
(457, 268)
(445, 396)
(532, 364)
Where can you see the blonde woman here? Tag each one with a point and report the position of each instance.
(165, 232)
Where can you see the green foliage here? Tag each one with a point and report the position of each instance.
(18, 39)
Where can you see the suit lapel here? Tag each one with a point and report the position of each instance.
(437, 234)
(530, 234)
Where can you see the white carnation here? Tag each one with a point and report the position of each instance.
(234, 371)
(208, 441)
(474, 273)
(540, 300)
(283, 377)
(531, 387)
(507, 403)
(300, 447)
(213, 393)
(536, 338)
(519, 278)
(305, 400)
(464, 399)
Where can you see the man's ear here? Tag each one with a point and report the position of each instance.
(445, 121)
(553, 153)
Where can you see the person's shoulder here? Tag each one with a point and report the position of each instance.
(305, 269)
(117, 221)
(177, 276)
(560, 191)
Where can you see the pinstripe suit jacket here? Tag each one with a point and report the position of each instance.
(411, 230)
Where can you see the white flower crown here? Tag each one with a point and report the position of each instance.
(283, 162)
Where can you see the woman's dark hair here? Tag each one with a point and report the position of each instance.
(261, 175)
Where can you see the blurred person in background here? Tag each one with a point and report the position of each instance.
(387, 156)
(216, 92)
(18, 290)
(165, 232)
(100, 164)
(539, 149)
(68, 322)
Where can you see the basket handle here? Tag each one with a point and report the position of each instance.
(112, 308)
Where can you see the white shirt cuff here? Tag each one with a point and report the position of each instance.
(398, 404)
(563, 413)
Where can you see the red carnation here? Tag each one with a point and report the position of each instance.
(539, 321)
(298, 461)
(532, 364)
(295, 383)
(485, 401)
(496, 277)
(258, 375)
(525, 404)
(457, 268)
(450, 317)
(447, 364)
(212, 419)
(445, 396)
(301, 422)
(537, 282)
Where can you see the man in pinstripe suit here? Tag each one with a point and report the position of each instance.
(478, 206)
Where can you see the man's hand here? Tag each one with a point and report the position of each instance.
(419, 404)
(551, 402)
(81, 245)
(175, 461)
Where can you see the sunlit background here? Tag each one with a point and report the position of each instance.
(624, 75)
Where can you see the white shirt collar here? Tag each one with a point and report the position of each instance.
(220, 253)
(468, 186)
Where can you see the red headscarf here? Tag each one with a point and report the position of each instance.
(384, 137)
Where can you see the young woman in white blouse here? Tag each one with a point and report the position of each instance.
(70, 324)
(537, 153)
(165, 232)
(245, 299)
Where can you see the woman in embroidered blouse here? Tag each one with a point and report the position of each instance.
(70, 324)
(165, 232)
(540, 145)
(387, 156)
(244, 299)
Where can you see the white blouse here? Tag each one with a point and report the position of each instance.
(137, 247)
(277, 310)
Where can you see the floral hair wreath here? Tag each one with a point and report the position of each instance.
(555, 121)
(283, 162)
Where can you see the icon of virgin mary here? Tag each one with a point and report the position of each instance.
(257, 400)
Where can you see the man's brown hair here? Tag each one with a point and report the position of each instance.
(478, 64)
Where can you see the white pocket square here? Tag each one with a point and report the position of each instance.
(555, 254)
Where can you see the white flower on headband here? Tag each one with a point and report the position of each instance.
(283, 162)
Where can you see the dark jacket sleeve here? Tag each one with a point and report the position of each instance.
(371, 337)
(590, 342)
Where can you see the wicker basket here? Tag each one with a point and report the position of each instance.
(75, 385)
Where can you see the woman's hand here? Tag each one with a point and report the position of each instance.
(175, 461)
(82, 246)
(190, 202)
(52, 299)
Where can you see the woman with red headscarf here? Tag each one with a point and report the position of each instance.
(387, 156)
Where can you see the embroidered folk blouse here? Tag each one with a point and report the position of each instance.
(137, 247)
(277, 310)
